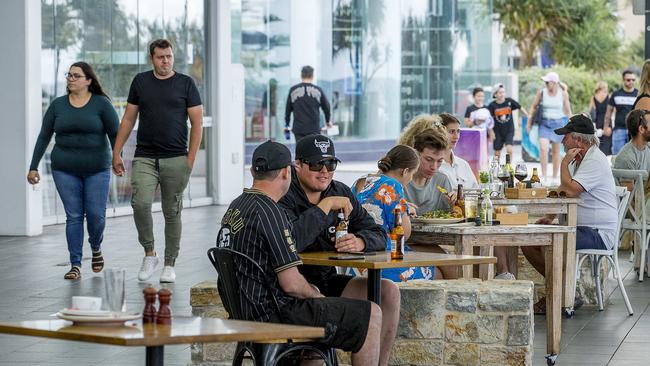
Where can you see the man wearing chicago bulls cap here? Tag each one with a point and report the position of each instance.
(312, 204)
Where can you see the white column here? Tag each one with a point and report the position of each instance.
(305, 49)
(20, 103)
(227, 108)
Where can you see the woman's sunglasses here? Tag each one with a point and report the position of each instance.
(329, 164)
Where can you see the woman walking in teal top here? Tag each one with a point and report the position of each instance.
(84, 122)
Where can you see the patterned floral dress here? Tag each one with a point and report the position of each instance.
(379, 196)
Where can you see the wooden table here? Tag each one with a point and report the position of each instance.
(467, 236)
(155, 337)
(374, 262)
(567, 211)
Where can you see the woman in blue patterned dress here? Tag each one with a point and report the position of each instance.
(383, 192)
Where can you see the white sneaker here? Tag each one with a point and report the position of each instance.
(168, 275)
(505, 276)
(149, 264)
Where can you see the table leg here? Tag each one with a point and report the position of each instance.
(155, 356)
(486, 270)
(569, 273)
(553, 257)
(374, 286)
(464, 246)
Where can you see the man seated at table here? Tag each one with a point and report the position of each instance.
(256, 226)
(584, 174)
(312, 203)
(635, 155)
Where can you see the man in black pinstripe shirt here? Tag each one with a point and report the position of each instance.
(256, 226)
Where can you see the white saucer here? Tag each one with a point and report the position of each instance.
(113, 319)
(76, 312)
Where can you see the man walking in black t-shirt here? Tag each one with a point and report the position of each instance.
(164, 99)
(256, 226)
(304, 100)
(620, 102)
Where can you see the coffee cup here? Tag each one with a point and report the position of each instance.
(88, 303)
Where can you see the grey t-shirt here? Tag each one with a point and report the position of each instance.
(631, 158)
(428, 197)
(599, 206)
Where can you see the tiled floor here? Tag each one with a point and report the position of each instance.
(32, 287)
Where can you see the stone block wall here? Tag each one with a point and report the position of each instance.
(461, 322)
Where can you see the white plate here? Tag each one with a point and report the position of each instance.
(425, 220)
(115, 318)
(95, 313)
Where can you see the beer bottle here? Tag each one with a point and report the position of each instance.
(535, 178)
(460, 199)
(397, 236)
(511, 172)
(342, 226)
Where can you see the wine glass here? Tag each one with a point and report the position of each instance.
(504, 176)
(521, 171)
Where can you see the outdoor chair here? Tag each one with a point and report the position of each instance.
(596, 255)
(262, 353)
(635, 217)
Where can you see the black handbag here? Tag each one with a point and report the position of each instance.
(539, 112)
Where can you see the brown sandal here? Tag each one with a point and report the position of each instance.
(73, 274)
(97, 263)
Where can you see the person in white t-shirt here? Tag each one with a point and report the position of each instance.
(455, 167)
(584, 173)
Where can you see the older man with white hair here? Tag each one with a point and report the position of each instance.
(584, 173)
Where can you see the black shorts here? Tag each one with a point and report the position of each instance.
(504, 134)
(345, 320)
(332, 286)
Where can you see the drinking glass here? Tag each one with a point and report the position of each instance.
(471, 205)
(521, 171)
(494, 169)
(504, 176)
(114, 282)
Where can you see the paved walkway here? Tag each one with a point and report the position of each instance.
(33, 287)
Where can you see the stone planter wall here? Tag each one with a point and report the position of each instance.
(441, 323)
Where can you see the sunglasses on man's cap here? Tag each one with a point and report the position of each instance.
(317, 166)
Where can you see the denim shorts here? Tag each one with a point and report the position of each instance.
(547, 129)
(588, 238)
(619, 139)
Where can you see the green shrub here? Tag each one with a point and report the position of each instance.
(581, 83)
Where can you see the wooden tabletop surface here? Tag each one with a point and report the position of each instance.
(471, 229)
(381, 260)
(529, 201)
(183, 330)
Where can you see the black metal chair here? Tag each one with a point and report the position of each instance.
(262, 353)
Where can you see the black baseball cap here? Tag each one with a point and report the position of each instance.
(270, 156)
(579, 123)
(314, 148)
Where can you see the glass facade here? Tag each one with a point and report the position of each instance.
(380, 62)
(113, 36)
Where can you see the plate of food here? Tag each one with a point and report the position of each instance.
(438, 217)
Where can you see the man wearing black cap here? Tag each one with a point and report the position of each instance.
(584, 173)
(256, 226)
(312, 204)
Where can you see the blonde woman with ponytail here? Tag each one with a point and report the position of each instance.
(384, 192)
